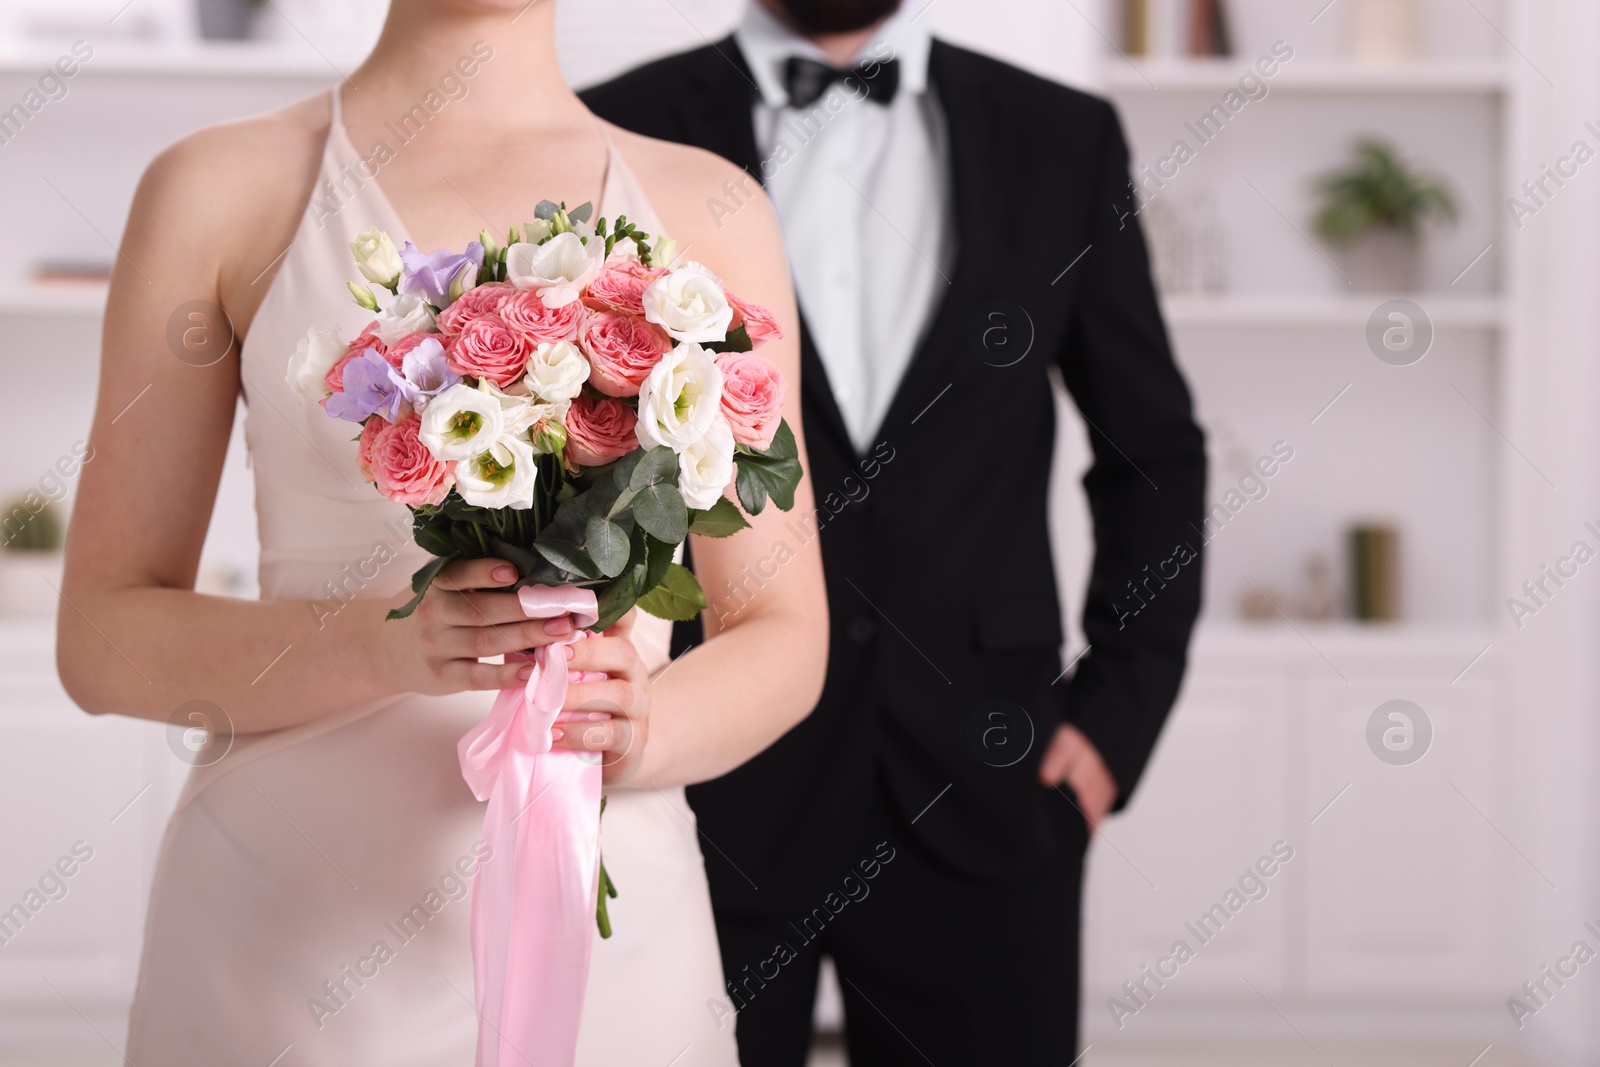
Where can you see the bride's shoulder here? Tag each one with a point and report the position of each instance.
(701, 198)
(250, 172)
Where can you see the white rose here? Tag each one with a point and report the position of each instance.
(680, 399)
(313, 358)
(520, 411)
(376, 258)
(556, 371)
(558, 269)
(501, 476)
(689, 304)
(461, 422)
(407, 313)
(706, 467)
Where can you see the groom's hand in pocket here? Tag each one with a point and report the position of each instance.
(1073, 760)
(610, 714)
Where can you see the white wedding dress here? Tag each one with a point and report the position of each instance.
(309, 905)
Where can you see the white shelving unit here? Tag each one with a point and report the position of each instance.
(1388, 912)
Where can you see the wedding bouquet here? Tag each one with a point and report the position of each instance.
(565, 401)
(572, 402)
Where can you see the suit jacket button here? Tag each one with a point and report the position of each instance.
(861, 630)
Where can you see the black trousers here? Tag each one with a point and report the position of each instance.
(936, 967)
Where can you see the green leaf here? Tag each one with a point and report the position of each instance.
(774, 472)
(420, 582)
(637, 471)
(659, 559)
(738, 340)
(581, 213)
(618, 596)
(678, 597)
(721, 519)
(562, 542)
(546, 210)
(607, 545)
(661, 511)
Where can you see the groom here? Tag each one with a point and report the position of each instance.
(960, 233)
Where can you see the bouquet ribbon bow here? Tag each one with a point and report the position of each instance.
(533, 902)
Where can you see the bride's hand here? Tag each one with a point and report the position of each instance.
(610, 715)
(466, 615)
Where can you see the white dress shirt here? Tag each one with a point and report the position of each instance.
(863, 192)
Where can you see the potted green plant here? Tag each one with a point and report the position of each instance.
(30, 557)
(1374, 212)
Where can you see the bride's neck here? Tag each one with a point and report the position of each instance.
(428, 46)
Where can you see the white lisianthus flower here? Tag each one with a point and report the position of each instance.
(377, 258)
(663, 252)
(558, 269)
(461, 422)
(680, 399)
(537, 230)
(501, 476)
(521, 410)
(556, 371)
(706, 467)
(407, 313)
(689, 304)
(313, 358)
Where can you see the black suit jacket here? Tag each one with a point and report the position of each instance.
(944, 682)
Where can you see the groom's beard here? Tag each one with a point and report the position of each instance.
(836, 16)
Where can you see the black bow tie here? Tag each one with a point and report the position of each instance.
(806, 80)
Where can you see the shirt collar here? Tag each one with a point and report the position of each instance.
(766, 43)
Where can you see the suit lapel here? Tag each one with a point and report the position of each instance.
(977, 162)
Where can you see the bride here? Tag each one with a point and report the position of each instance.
(308, 905)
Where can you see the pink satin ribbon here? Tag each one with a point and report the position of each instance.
(533, 902)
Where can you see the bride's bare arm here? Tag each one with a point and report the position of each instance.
(133, 637)
(761, 667)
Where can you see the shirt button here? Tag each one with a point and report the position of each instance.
(861, 630)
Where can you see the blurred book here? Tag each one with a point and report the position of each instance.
(1169, 29)
(1375, 573)
(71, 272)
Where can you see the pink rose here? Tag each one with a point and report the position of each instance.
(599, 430)
(369, 434)
(620, 286)
(486, 348)
(527, 316)
(396, 353)
(622, 351)
(403, 467)
(757, 321)
(752, 397)
(476, 302)
(334, 380)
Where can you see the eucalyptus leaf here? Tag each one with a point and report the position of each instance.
(659, 558)
(678, 597)
(661, 511)
(546, 210)
(582, 212)
(606, 544)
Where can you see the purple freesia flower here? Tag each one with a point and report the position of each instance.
(367, 390)
(432, 273)
(422, 375)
